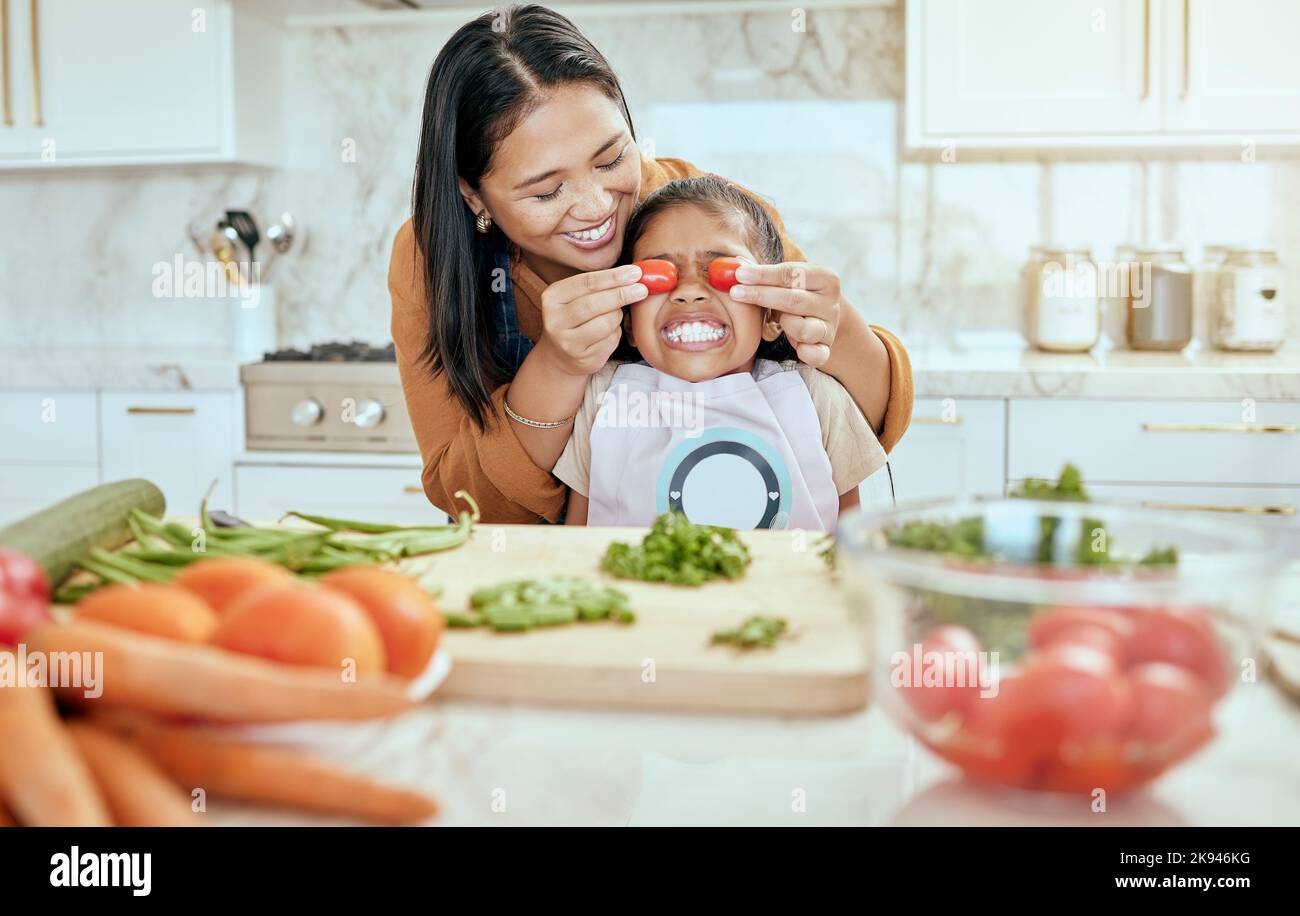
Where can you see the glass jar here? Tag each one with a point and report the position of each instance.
(1160, 299)
(1248, 309)
(1205, 279)
(1062, 311)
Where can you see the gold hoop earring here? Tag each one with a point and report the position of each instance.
(483, 223)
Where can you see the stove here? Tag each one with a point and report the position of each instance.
(332, 397)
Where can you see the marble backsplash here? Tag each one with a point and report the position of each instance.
(809, 119)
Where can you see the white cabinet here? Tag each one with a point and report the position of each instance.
(49, 427)
(141, 81)
(1022, 67)
(1015, 74)
(25, 489)
(1234, 66)
(391, 495)
(182, 441)
(1170, 442)
(954, 447)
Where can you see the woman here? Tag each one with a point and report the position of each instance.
(505, 297)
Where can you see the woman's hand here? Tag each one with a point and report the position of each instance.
(806, 295)
(582, 316)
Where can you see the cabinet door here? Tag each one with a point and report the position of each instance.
(18, 138)
(388, 495)
(133, 77)
(1232, 66)
(25, 489)
(182, 441)
(954, 447)
(1007, 68)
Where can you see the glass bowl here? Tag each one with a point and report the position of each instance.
(1033, 650)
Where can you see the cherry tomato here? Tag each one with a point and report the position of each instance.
(1171, 711)
(24, 596)
(722, 273)
(1067, 693)
(21, 575)
(1101, 628)
(657, 275)
(1183, 637)
(949, 675)
(1100, 765)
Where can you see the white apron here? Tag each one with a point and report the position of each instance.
(737, 451)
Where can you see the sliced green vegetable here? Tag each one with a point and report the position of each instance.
(555, 601)
(680, 553)
(754, 632)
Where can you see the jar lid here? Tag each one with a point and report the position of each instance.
(1159, 249)
(1060, 249)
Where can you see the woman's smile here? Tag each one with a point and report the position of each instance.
(597, 236)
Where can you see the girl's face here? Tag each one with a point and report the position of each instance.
(694, 332)
(562, 184)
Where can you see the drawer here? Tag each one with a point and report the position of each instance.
(954, 447)
(1193, 442)
(25, 489)
(60, 426)
(180, 440)
(1279, 505)
(394, 495)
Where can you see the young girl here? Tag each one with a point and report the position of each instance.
(717, 420)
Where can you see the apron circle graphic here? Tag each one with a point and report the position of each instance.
(727, 477)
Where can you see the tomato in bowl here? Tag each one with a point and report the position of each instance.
(1030, 661)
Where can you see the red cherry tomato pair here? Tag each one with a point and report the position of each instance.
(1104, 699)
(660, 276)
(24, 596)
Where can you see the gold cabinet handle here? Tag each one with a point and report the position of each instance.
(1187, 50)
(1206, 507)
(37, 117)
(1284, 428)
(4, 62)
(1146, 50)
(936, 421)
(412, 488)
(169, 411)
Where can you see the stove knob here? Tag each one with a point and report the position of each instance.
(308, 412)
(369, 414)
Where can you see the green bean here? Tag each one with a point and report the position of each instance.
(123, 562)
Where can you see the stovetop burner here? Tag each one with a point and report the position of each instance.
(335, 352)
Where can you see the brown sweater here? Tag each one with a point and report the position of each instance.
(490, 464)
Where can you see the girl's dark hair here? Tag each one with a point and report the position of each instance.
(488, 76)
(725, 201)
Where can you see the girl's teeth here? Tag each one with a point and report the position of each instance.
(695, 332)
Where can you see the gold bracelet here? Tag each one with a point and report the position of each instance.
(535, 424)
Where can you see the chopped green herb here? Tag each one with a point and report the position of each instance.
(680, 553)
(754, 633)
(527, 603)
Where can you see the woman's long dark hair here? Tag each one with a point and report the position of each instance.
(488, 76)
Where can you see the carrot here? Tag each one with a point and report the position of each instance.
(43, 780)
(272, 775)
(139, 793)
(162, 676)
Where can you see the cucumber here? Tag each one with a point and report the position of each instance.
(63, 535)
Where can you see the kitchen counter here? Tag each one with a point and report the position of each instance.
(1000, 365)
(118, 368)
(521, 765)
(978, 365)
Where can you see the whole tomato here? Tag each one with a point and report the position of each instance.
(722, 273)
(1183, 637)
(24, 596)
(658, 276)
(949, 679)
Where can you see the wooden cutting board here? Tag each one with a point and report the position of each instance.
(664, 660)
